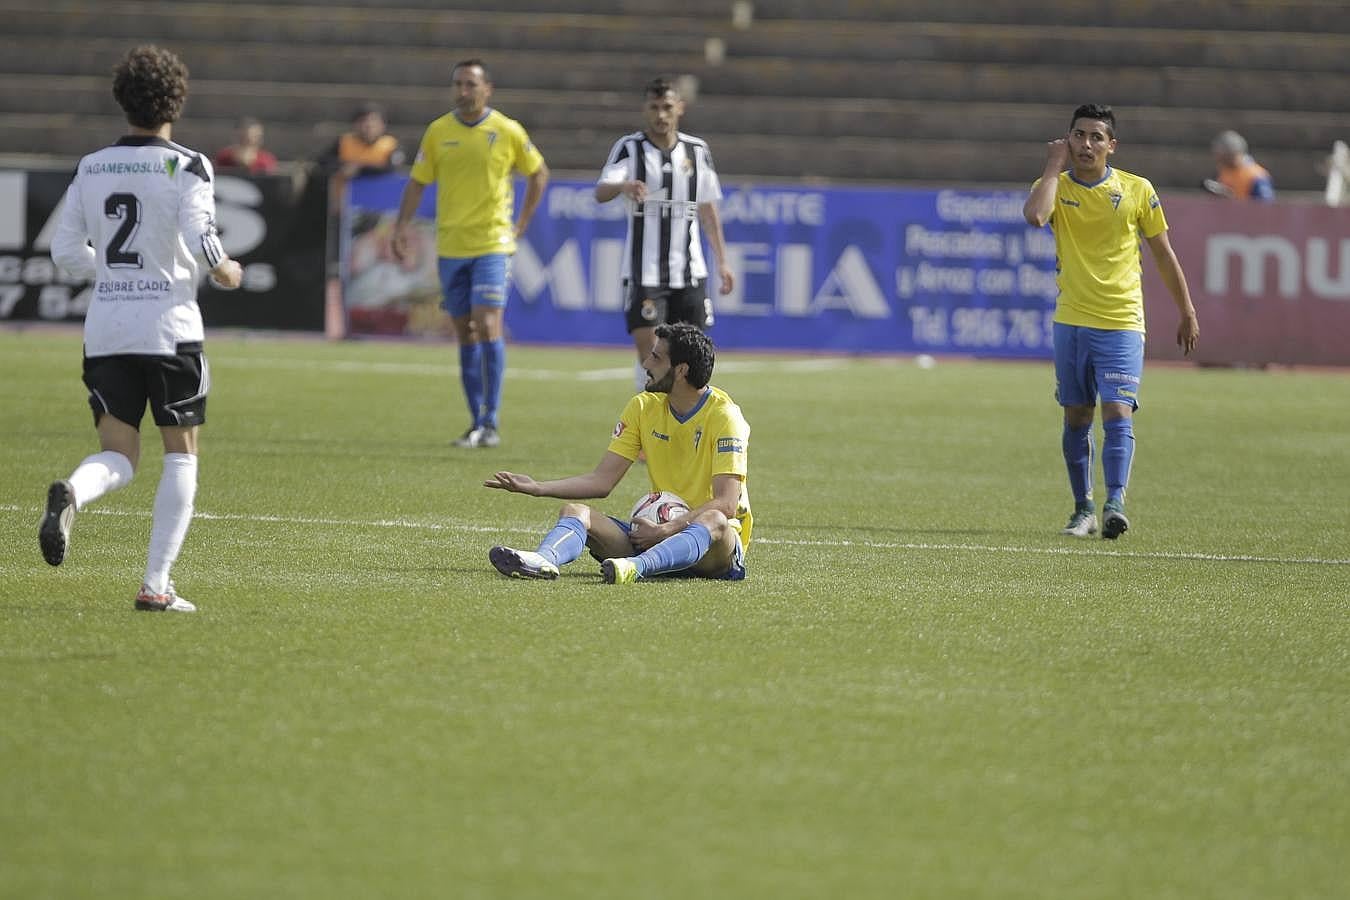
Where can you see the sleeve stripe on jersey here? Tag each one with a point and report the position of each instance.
(211, 248)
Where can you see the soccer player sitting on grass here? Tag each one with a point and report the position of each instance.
(697, 444)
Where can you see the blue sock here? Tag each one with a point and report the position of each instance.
(1077, 443)
(679, 551)
(494, 366)
(565, 542)
(1117, 454)
(471, 373)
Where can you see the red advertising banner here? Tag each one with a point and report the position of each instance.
(1270, 283)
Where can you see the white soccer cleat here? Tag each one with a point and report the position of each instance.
(1082, 523)
(169, 601)
(522, 563)
(471, 438)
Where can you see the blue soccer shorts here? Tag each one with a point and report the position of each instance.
(1093, 362)
(471, 281)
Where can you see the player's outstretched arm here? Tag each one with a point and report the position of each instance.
(1169, 267)
(592, 485)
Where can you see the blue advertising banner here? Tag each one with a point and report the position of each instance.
(831, 269)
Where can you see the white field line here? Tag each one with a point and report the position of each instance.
(782, 542)
(614, 373)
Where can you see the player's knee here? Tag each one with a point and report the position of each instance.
(576, 511)
(715, 521)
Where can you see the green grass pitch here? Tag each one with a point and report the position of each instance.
(922, 690)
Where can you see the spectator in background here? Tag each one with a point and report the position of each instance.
(1239, 176)
(247, 151)
(367, 149)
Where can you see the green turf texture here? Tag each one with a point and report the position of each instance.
(921, 690)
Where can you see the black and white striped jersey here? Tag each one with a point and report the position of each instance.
(664, 246)
(147, 207)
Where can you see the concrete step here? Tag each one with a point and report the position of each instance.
(327, 108)
(502, 36)
(742, 156)
(1313, 16)
(899, 80)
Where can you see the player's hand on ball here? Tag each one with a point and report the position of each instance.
(646, 533)
(227, 276)
(510, 481)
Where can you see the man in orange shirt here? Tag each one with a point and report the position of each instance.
(1239, 176)
(367, 149)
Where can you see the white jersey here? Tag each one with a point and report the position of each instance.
(147, 206)
(664, 246)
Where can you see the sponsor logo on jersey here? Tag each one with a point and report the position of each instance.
(1067, 202)
(146, 167)
(659, 436)
(730, 445)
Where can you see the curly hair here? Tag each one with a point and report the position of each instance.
(150, 84)
(692, 347)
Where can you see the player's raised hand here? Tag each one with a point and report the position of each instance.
(1057, 154)
(510, 481)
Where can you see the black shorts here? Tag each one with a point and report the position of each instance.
(174, 386)
(647, 307)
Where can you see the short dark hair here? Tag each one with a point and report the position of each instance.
(472, 61)
(659, 87)
(692, 347)
(151, 85)
(1099, 111)
(368, 108)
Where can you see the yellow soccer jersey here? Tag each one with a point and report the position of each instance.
(683, 455)
(1097, 232)
(472, 166)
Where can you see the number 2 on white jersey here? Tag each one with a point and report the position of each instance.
(118, 253)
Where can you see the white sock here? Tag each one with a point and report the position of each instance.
(99, 474)
(639, 377)
(173, 513)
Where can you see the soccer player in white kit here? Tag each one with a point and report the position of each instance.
(147, 207)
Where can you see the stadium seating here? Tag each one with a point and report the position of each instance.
(909, 91)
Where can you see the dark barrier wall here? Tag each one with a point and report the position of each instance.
(273, 225)
(1271, 283)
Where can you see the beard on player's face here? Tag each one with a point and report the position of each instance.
(666, 382)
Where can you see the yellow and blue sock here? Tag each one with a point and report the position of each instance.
(471, 374)
(1117, 456)
(565, 542)
(1077, 444)
(494, 367)
(679, 551)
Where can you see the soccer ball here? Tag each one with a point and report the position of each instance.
(659, 507)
